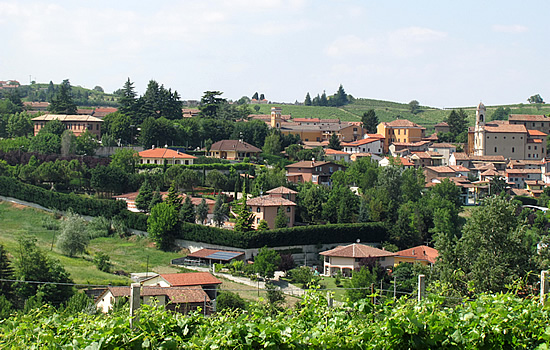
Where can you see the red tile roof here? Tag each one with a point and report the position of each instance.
(329, 151)
(165, 153)
(536, 133)
(281, 190)
(442, 145)
(306, 120)
(307, 164)
(404, 123)
(528, 117)
(359, 142)
(421, 252)
(190, 279)
(269, 201)
(234, 145)
(403, 161)
(357, 250)
(508, 128)
(176, 295)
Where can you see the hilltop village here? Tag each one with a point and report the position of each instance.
(231, 194)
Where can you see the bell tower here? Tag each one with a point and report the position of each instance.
(479, 130)
(276, 117)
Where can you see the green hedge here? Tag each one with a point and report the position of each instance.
(301, 235)
(10, 187)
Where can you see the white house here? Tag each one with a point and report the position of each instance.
(347, 259)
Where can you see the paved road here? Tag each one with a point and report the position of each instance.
(286, 287)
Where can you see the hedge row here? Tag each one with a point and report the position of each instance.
(10, 187)
(301, 235)
(213, 166)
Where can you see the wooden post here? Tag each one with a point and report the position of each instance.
(134, 302)
(205, 305)
(372, 293)
(543, 286)
(421, 286)
(394, 287)
(329, 299)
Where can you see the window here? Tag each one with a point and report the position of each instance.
(505, 137)
(528, 147)
(357, 259)
(258, 210)
(288, 209)
(327, 259)
(354, 129)
(496, 150)
(513, 149)
(535, 148)
(513, 137)
(258, 220)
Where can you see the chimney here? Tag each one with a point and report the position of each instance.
(153, 147)
(312, 161)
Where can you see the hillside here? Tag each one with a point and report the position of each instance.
(388, 111)
(82, 96)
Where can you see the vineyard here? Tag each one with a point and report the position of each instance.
(501, 321)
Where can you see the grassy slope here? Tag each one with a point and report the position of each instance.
(129, 255)
(388, 111)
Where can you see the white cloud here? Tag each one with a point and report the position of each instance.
(514, 28)
(352, 45)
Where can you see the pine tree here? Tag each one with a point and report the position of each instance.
(307, 101)
(340, 98)
(173, 198)
(187, 211)
(127, 102)
(316, 101)
(62, 102)
(157, 198)
(323, 101)
(202, 211)
(334, 142)
(281, 220)
(262, 97)
(143, 199)
(370, 121)
(255, 96)
(219, 211)
(245, 218)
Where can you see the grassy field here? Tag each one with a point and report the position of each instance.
(129, 255)
(388, 111)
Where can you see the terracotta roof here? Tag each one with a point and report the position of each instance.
(307, 164)
(403, 123)
(461, 156)
(375, 136)
(176, 295)
(269, 201)
(190, 279)
(165, 153)
(234, 145)
(101, 112)
(534, 141)
(442, 145)
(422, 155)
(441, 169)
(403, 161)
(329, 151)
(306, 120)
(534, 182)
(67, 118)
(525, 162)
(36, 104)
(411, 144)
(520, 192)
(523, 171)
(508, 128)
(489, 172)
(459, 168)
(421, 252)
(281, 190)
(536, 133)
(357, 250)
(529, 117)
(203, 253)
(441, 124)
(359, 142)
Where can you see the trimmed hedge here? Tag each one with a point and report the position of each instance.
(10, 187)
(301, 235)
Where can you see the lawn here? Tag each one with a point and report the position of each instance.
(127, 254)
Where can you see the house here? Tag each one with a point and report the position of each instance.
(233, 150)
(317, 172)
(421, 254)
(78, 124)
(399, 161)
(432, 172)
(535, 187)
(332, 154)
(101, 112)
(179, 299)
(162, 155)
(203, 280)
(518, 177)
(368, 145)
(266, 208)
(347, 259)
(36, 106)
(314, 129)
(442, 128)
(445, 149)
(373, 157)
(512, 141)
(473, 162)
(531, 122)
(283, 192)
(400, 130)
(406, 148)
(424, 159)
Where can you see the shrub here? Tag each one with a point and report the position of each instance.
(103, 262)
(228, 300)
(99, 227)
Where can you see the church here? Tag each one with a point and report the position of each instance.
(513, 141)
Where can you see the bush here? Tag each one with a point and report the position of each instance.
(103, 262)
(229, 301)
(99, 227)
(302, 275)
(50, 223)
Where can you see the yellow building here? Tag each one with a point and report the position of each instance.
(233, 150)
(400, 130)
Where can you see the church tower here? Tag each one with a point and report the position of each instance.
(479, 130)
(276, 117)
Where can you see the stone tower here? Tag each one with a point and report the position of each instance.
(276, 117)
(479, 130)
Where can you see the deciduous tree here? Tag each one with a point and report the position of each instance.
(161, 225)
(266, 262)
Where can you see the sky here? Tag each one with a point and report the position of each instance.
(440, 53)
